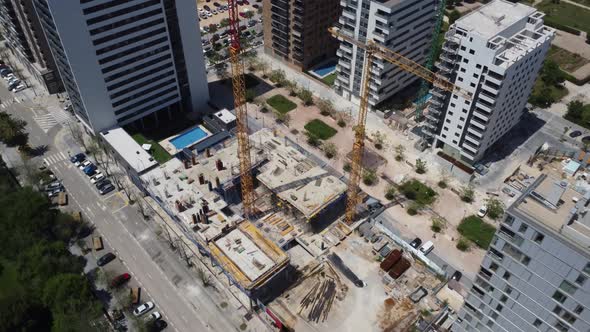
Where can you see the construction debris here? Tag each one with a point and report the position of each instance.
(319, 300)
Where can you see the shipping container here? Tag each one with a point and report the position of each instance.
(390, 260)
(399, 268)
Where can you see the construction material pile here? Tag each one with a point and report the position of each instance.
(318, 301)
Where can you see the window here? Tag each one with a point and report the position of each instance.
(508, 289)
(503, 298)
(499, 307)
(478, 66)
(506, 275)
(539, 238)
(465, 60)
(457, 134)
(510, 220)
(444, 136)
(448, 121)
(462, 69)
(463, 48)
(460, 79)
(452, 105)
(461, 118)
(537, 323)
(568, 317)
(490, 323)
(587, 268)
(494, 315)
(560, 326)
(471, 51)
(472, 85)
(580, 280)
(557, 310)
(455, 96)
(493, 266)
(446, 128)
(526, 260)
(567, 287)
(454, 142)
(523, 228)
(559, 297)
(475, 76)
(578, 310)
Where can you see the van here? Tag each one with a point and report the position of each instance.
(427, 247)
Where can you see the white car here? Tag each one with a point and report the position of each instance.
(482, 211)
(142, 309)
(97, 177)
(18, 88)
(80, 162)
(84, 164)
(9, 77)
(209, 14)
(153, 316)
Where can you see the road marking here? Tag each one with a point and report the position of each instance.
(149, 276)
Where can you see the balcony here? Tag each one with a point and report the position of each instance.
(428, 131)
(436, 103)
(349, 15)
(486, 100)
(381, 17)
(475, 132)
(470, 147)
(431, 117)
(481, 116)
(472, 140)
(434, 111)
(478, 123)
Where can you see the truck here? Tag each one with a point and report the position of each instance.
(399, 268)
(390, 260)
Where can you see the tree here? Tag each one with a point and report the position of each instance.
(551, 74)
(330, 150)
(399, 152)
(253, 63)
(306, 96)
(453, 16)
(420, 166)
(390, 192)
(463, 244)
(264, 66)
(69, 293)
(249, 14)
(250, 95)
(495, 208)
(283, 118)
(212, 28)
(341, 122)
(467, 194)
(221, 72)
(312, 139)
(378, 140)
(326, 107)
(224, 22)
(291, 87)
(278, 77)
(438, 224)
(369, 177)
(12, 131)
(575, 111)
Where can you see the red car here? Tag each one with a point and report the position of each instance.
(120, 280)
(243, 15)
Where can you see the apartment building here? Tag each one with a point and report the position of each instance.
(26, 41)
(404, 26)
(296, 31)
(494, 55)
(535, 275)
(122, 61)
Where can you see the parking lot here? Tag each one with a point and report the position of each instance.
(11, 79)
(216, 15)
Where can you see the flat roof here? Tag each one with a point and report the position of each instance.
(225, 116)
(558, 207)
(296, 178)
(493, 18)
(129, 149)
(249, 256)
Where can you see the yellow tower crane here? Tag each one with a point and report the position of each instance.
(373, 50)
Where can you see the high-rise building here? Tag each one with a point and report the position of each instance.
(404, 26)
(535, 275)
(296, 31)
(494, 54)
(124, 60)
(25, 39)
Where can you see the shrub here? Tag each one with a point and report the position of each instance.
(326, 107)
(369, 177)
(306, 96)
(462, 244)
(378, 140)
(277, 76)
(250, 95)
(346, 167)
(467, 194)
(438, 224)
(413, 209)
(495, 208)
(420, 166)
(418, 191)
(330, 150)
(442, 184)
(312, 139)
(390, 193)
(399, 152)
(341, 123)
(294, 131)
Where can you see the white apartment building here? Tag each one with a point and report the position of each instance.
(404, 26)
(535, 275)
(122, 60)
(494, 54)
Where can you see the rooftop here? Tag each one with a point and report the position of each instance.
(557, 206)
(493, 18)
(225, 116)
(129, 149)
(248, 256)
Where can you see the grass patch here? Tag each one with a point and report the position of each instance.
(583, 2)
(418, 192)
(566, 60)
(320, 129)
(556, 93)
(566, 14)
(584, 119)
(157, 151)
(281, 104)
(476, 230)
(329, 80)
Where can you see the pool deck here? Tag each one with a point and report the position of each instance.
(321, 65)
(168, 146)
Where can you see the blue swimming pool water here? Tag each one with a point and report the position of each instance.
(188, 138)
(325, 69)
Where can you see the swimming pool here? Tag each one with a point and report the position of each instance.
(325, 69)
(188, 138)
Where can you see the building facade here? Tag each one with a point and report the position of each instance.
(494, 55)
(122, 61)
(296, 31)
(535, 274)
(404, 26)
(26, 41)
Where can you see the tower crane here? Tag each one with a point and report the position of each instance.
(373, 50)
(239, 92)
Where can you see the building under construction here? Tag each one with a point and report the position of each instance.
(201, 192)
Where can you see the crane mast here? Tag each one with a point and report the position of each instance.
(239, 92)
(373, 50)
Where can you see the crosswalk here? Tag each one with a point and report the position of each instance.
(49, 120)
(55, 158)
(7, 102)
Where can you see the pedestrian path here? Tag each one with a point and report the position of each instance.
(49, 120)
(55, 158)
(7, 102)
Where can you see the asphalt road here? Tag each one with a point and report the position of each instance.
(164, 279)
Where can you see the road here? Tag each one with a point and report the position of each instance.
(181, 299)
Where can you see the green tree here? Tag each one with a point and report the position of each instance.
(224, 22)
(12, 131)
(283, 118)
(378, 140)
(330, 150)
(575, 111)
(69, 293)
(390, 192)
(453, 16)
(306, 96)
(369, 177)
(312, 139)
(495, 208)
(467, 194)
(250, 95)
(249, 14)
(212, 28)
(551, 74)
(325, 106)
(420, 166)
(278, 77)
(399, 152)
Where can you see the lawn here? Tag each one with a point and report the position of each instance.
(584, 119)
(329, 80)
(281, 104)
(566, 60)
(566, 14)
(320, 129)
(476, 230)
(157, 151)
(418, 192)
(556, 93)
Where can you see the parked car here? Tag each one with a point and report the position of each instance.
(97, 177)
(153, 316)
(207, 8)
(575, 133)
(106, 189)
(120, 280)
(482, 211)
(144, 308)
(53, 185)
(18, 88)
(55, 192)
(427, 247)
(105, 259)
(90, 170)
(85, 163)
(77, 157)
(416, 243)
(157, 326)
(102, 183)
(457, 276)
(508, 192)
